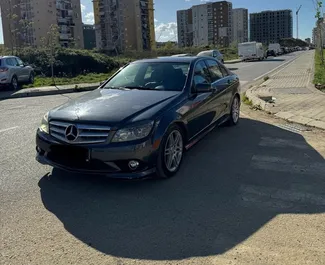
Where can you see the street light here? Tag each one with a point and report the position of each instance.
(297, 14)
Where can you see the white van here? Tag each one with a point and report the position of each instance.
(251, 51)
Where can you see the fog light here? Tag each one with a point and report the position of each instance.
(133, 164)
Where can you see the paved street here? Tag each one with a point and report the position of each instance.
(248, 71)
(254, 194)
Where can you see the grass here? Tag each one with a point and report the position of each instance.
(87, 78)
(319, 77)
(266, 78)
(246, 100)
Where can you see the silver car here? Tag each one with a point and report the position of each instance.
(14, 72)
(212, 53)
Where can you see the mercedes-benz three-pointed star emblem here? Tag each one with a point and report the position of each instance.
(71, 133)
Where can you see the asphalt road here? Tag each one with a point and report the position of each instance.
(253, 194)
(248, 71)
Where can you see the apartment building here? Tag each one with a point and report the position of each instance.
(27, 22)
(206, 24)
(240, 25)
(271, 26)
(125, 24)
(89, 36)
(185, 28)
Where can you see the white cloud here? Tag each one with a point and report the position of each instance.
(166, 31)
(89, 18)
(83, 8)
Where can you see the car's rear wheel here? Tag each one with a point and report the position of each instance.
(14, 83)
(171, 152)
(234, 112)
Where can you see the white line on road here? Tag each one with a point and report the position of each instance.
(8, 129)
(281, 65)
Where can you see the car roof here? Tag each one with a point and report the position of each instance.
(170, 59)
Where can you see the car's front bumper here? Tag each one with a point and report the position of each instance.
(106, 159)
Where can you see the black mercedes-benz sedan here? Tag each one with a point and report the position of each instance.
(141, 120)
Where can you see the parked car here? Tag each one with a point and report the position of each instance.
(212, 53)
(142, 119)
(271, 53)
(14, 72)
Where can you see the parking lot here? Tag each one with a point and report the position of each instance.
(253, 194)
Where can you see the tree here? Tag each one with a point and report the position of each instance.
(320, 29)
(51, 45)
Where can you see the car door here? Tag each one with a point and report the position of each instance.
(217, 103)
(24, 71)
(231, 86)
(199, 116)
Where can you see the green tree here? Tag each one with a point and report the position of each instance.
(320, 29)
(51, 45)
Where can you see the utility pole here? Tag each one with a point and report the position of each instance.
(297, 14)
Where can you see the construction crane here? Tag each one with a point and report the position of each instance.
(297, 14)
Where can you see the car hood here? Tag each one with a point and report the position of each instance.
(111, 106)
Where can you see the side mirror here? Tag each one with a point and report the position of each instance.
(203, 88)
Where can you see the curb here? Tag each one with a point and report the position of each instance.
(259, 80)
(233, 61)
(263, 105)
(53, 91)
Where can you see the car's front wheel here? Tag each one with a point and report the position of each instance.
(234, 112)
(171, 152)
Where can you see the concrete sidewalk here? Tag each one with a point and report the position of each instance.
(289, 94)
(48, 90)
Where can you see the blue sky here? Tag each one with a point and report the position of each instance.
(165, 14)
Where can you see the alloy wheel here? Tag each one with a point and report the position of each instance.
(173, 152)
(235, 110)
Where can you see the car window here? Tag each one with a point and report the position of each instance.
(10, 62)
(223, 70)
(19, 62)
(215, 71)
(201, 74)
(167, 76)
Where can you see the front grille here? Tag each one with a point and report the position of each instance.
(86, 134)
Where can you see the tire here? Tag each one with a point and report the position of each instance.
(31, 79)
(164, 170)
(14, 83)
(234, 112)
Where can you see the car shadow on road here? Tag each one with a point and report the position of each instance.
(224, 193)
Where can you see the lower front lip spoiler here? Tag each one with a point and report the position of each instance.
(136, 175)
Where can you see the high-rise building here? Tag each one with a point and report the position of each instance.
(185, 28)
(28, 22)
(271, 26)
(240, 25)
(125, 24)
(205, 24)
(89, 36)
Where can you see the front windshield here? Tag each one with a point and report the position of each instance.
(166, 76)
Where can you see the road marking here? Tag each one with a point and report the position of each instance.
(282, 143)
(281, 65)
(8, 129)
(293, 196)
(280, 164)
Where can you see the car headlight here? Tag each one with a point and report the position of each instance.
(133, 133)
(44, 127)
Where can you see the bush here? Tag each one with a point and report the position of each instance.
(69, 62)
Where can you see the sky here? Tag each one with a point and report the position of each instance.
(165, 14)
